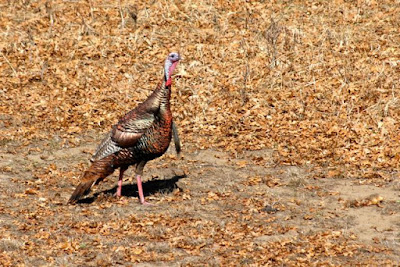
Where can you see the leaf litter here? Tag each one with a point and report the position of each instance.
(316, 83)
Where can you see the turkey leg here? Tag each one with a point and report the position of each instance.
(121, 175)
(139, 172)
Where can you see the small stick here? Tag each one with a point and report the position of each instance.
(122, 15)
(6, 59)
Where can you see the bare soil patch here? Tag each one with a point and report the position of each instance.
(210, 208)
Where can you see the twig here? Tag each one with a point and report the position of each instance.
(49, 11)
(245, 77)
(272, 35)
(6, 59)
(132, 10)
(44, 69)
(91, 9)
(246, 74)
(122, 15)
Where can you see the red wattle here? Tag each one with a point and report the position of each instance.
(172, 68)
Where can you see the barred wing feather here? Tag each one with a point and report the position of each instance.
(106, 148)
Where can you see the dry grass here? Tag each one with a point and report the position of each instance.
(316, 81)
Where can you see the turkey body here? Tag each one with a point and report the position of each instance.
(143, 134)
(153, 142)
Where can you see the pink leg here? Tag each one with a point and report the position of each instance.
(119, 190)
(121, 175)
(140, 189)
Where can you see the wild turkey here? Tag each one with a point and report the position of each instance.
(141, 135)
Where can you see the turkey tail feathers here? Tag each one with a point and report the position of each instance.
(81, 190)
(177, 141)
(99, 170)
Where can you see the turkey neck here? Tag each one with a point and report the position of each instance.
(165, 97)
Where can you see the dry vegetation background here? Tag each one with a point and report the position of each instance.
(315, 81)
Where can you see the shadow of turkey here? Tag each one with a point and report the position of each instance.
(152, 187)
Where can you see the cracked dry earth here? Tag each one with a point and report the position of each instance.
(210, 208)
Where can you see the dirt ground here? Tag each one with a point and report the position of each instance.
(210, 208)
(288, 112)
